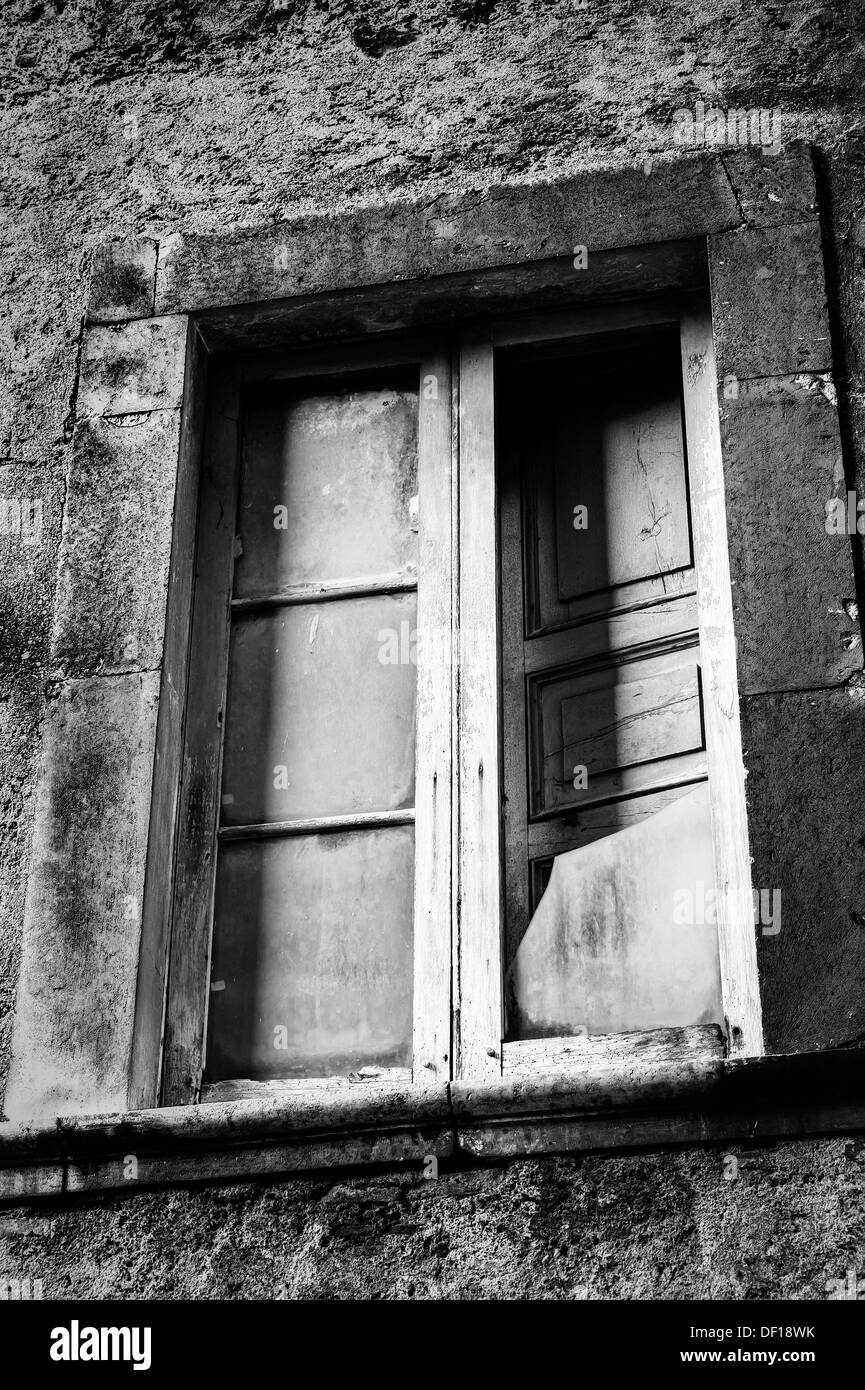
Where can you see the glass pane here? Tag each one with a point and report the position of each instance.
(312, 964)
(624, 937)
(321, 710)
(328, 489)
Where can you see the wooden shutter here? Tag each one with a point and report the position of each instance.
(596, 531)
(617, 656)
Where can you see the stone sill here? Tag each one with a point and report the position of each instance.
(626, 1107)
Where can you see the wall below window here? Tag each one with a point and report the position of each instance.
(756, 1222)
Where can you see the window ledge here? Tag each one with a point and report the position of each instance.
(624, 1107)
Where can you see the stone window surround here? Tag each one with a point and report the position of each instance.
(157, 313)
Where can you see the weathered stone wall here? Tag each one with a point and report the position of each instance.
(659, 1225)
(133, 119)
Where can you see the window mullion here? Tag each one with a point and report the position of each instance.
(479, 947)
(433, 781)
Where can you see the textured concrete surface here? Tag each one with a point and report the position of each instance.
(128, 119)
(806, 786)
(26, 589)
(794, 589)
(746, 1222)
(110, 608)
(131, 368)
(87, 880)
(777, 268)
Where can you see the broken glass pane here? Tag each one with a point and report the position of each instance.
(612, 946)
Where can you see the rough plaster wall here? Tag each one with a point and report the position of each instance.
(125, 119)
(661, 1225)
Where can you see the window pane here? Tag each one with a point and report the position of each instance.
(624, 937)
(328, 489)
(312, 965)
(321, 710)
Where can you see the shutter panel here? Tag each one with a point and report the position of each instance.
(602, 697)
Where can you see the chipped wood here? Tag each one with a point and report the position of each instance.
(592, 1053)
(736, 934)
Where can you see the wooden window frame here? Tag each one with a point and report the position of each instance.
(482, 1051)
(194, 885)
(458, 902)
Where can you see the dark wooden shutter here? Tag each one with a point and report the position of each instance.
(601, 671)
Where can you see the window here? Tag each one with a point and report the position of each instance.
(462, 713)
(324, 548)
(121, 886)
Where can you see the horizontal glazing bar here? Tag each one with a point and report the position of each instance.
(318, 825)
